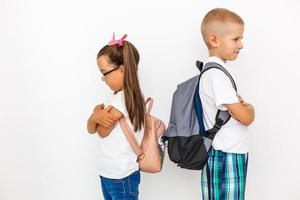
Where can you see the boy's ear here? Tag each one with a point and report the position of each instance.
(212, 40)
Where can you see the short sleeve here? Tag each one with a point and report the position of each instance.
(119, 103)
(222, 89)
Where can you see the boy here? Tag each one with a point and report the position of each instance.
(224, 175)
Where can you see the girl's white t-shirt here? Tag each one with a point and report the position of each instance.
(215, 91)
(115, 156)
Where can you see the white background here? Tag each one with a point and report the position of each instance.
(49, 84)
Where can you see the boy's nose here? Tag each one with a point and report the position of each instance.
(241, 45)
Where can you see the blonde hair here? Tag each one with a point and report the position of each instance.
(214, 19)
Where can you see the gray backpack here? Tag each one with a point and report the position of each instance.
(188, 142)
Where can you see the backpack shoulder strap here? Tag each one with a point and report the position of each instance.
(222, 117)
(130, 137)
(213, 65)
(129, 134)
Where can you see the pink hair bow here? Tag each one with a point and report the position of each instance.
(117, 42)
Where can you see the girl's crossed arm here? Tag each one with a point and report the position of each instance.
(104, 131)
(102, 120)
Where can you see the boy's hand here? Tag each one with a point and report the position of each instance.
(248, 105)
(241, 100)
(103, 117)
(242, 111)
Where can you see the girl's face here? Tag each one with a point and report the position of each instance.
(111, 74)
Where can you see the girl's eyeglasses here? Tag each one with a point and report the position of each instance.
(108, 72)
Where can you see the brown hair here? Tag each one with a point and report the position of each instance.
(128, 56)
(214, 18)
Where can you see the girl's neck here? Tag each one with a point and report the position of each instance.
(121, 90)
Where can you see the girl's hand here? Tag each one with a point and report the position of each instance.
(103, 117)
(92, 125)
(99, 107)
(103, 131)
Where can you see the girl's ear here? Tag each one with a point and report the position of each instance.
(212, 40)
(122, 69)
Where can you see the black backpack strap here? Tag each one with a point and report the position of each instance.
(222, 117)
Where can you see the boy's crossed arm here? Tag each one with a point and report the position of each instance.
(242, 111)
(103, 120)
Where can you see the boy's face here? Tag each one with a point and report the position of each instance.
(229, 44)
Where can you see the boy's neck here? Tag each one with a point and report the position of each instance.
(213, 53)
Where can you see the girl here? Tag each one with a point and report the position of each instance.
(119, 170)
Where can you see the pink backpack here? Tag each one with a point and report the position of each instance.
(151, 153)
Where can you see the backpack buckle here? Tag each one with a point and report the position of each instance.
(218, 124)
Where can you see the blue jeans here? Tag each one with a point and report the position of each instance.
(121, 189)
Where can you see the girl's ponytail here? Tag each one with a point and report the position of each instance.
(134, 100)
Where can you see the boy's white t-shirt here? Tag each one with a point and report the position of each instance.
(215, 91)
(115, 155)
